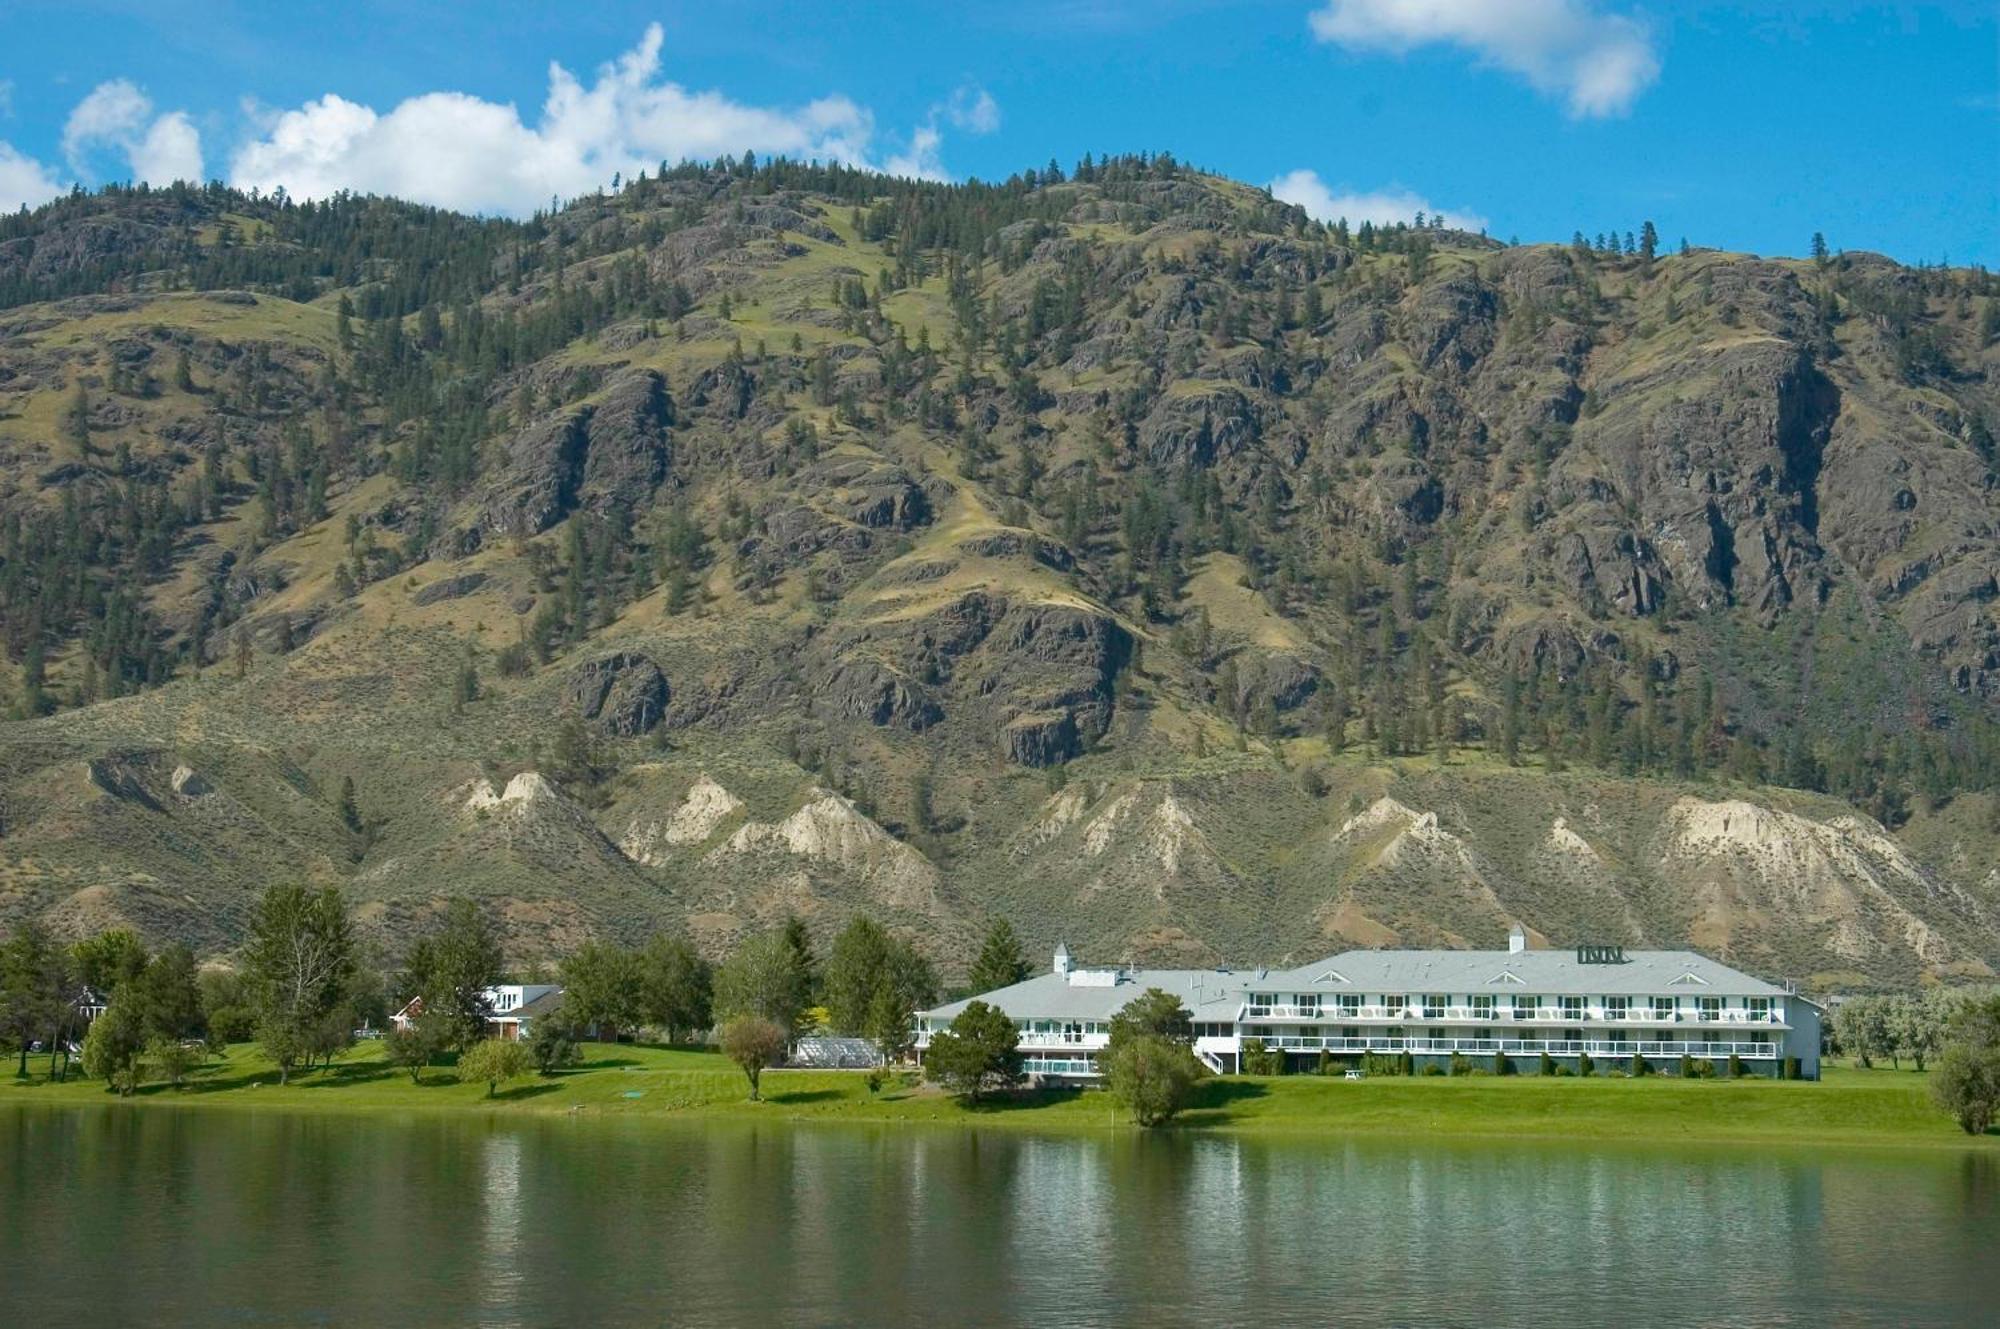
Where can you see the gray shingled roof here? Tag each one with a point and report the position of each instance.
(1215, 994)
(546, 1004)
(1209, 994)
(1551, 971)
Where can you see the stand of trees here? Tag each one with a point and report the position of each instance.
(1894, 1026)
(1966, 1081)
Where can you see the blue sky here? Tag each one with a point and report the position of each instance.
(1746, 125)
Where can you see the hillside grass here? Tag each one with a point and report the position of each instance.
(1850, 1108)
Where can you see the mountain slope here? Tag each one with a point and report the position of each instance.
(1122, 552)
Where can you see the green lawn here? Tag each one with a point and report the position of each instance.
(1848, 1107)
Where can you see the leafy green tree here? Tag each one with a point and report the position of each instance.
(112, 1048)
(552, 1045)
(1915, 1026)
(1154, 1013)
(451, 969)
(228, 1006)
(981, 1052)
(1000, 963)
(875, 983)
(764, 977)
(493, 1060)
(753, 1042)
(676, 988)
(1151, 1076)
(602, 988)
(1966, 1080)
(300, 958)
(174, 1059)
(104, 961)
(1966, 1084)
(1860, 1029)
(165, 997)
(412, 1047)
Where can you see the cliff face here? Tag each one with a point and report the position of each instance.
(1123, 554)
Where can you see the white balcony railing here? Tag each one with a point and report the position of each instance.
(1527, 1047)
(1330, 1013)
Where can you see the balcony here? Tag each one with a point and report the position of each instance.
(1507, 1015)
(1524, 1047)
(1062, 1039)
(1058, 1066)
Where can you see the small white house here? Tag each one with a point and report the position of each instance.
(511, 1008)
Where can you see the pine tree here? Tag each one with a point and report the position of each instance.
(1000, 963)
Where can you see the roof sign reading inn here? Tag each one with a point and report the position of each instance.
(1600, 955)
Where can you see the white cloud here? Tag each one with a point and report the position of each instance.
(923, 159)
(1383, 207)
(24, 182)
(1598, 62)
(973, 109)
(970, 108)
(459, 151)
(117, 115)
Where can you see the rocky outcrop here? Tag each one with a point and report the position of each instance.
(1726, 473)
(624, 693)
(871, 691)
(449, 588)
(627, 450)
(1037, 676)
(1198, 427)
(610, 453)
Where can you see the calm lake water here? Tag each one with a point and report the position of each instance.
(135, 1217)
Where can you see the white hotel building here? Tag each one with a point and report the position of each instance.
(1602, 1002)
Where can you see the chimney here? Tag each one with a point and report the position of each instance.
(1517, 939)
(1063, 963)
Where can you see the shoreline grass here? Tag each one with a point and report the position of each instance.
(1849, 1108)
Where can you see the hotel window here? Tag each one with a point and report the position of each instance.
(1711, 1007)
(1308, 1002)
(1663, 1008)
(1350, 1003)
(1524, 1008)
(1482, 1006)
(1759, 1007)
(1572, 1008)
(1434, 1003)
(1393, 1003)
(1617, 1008)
